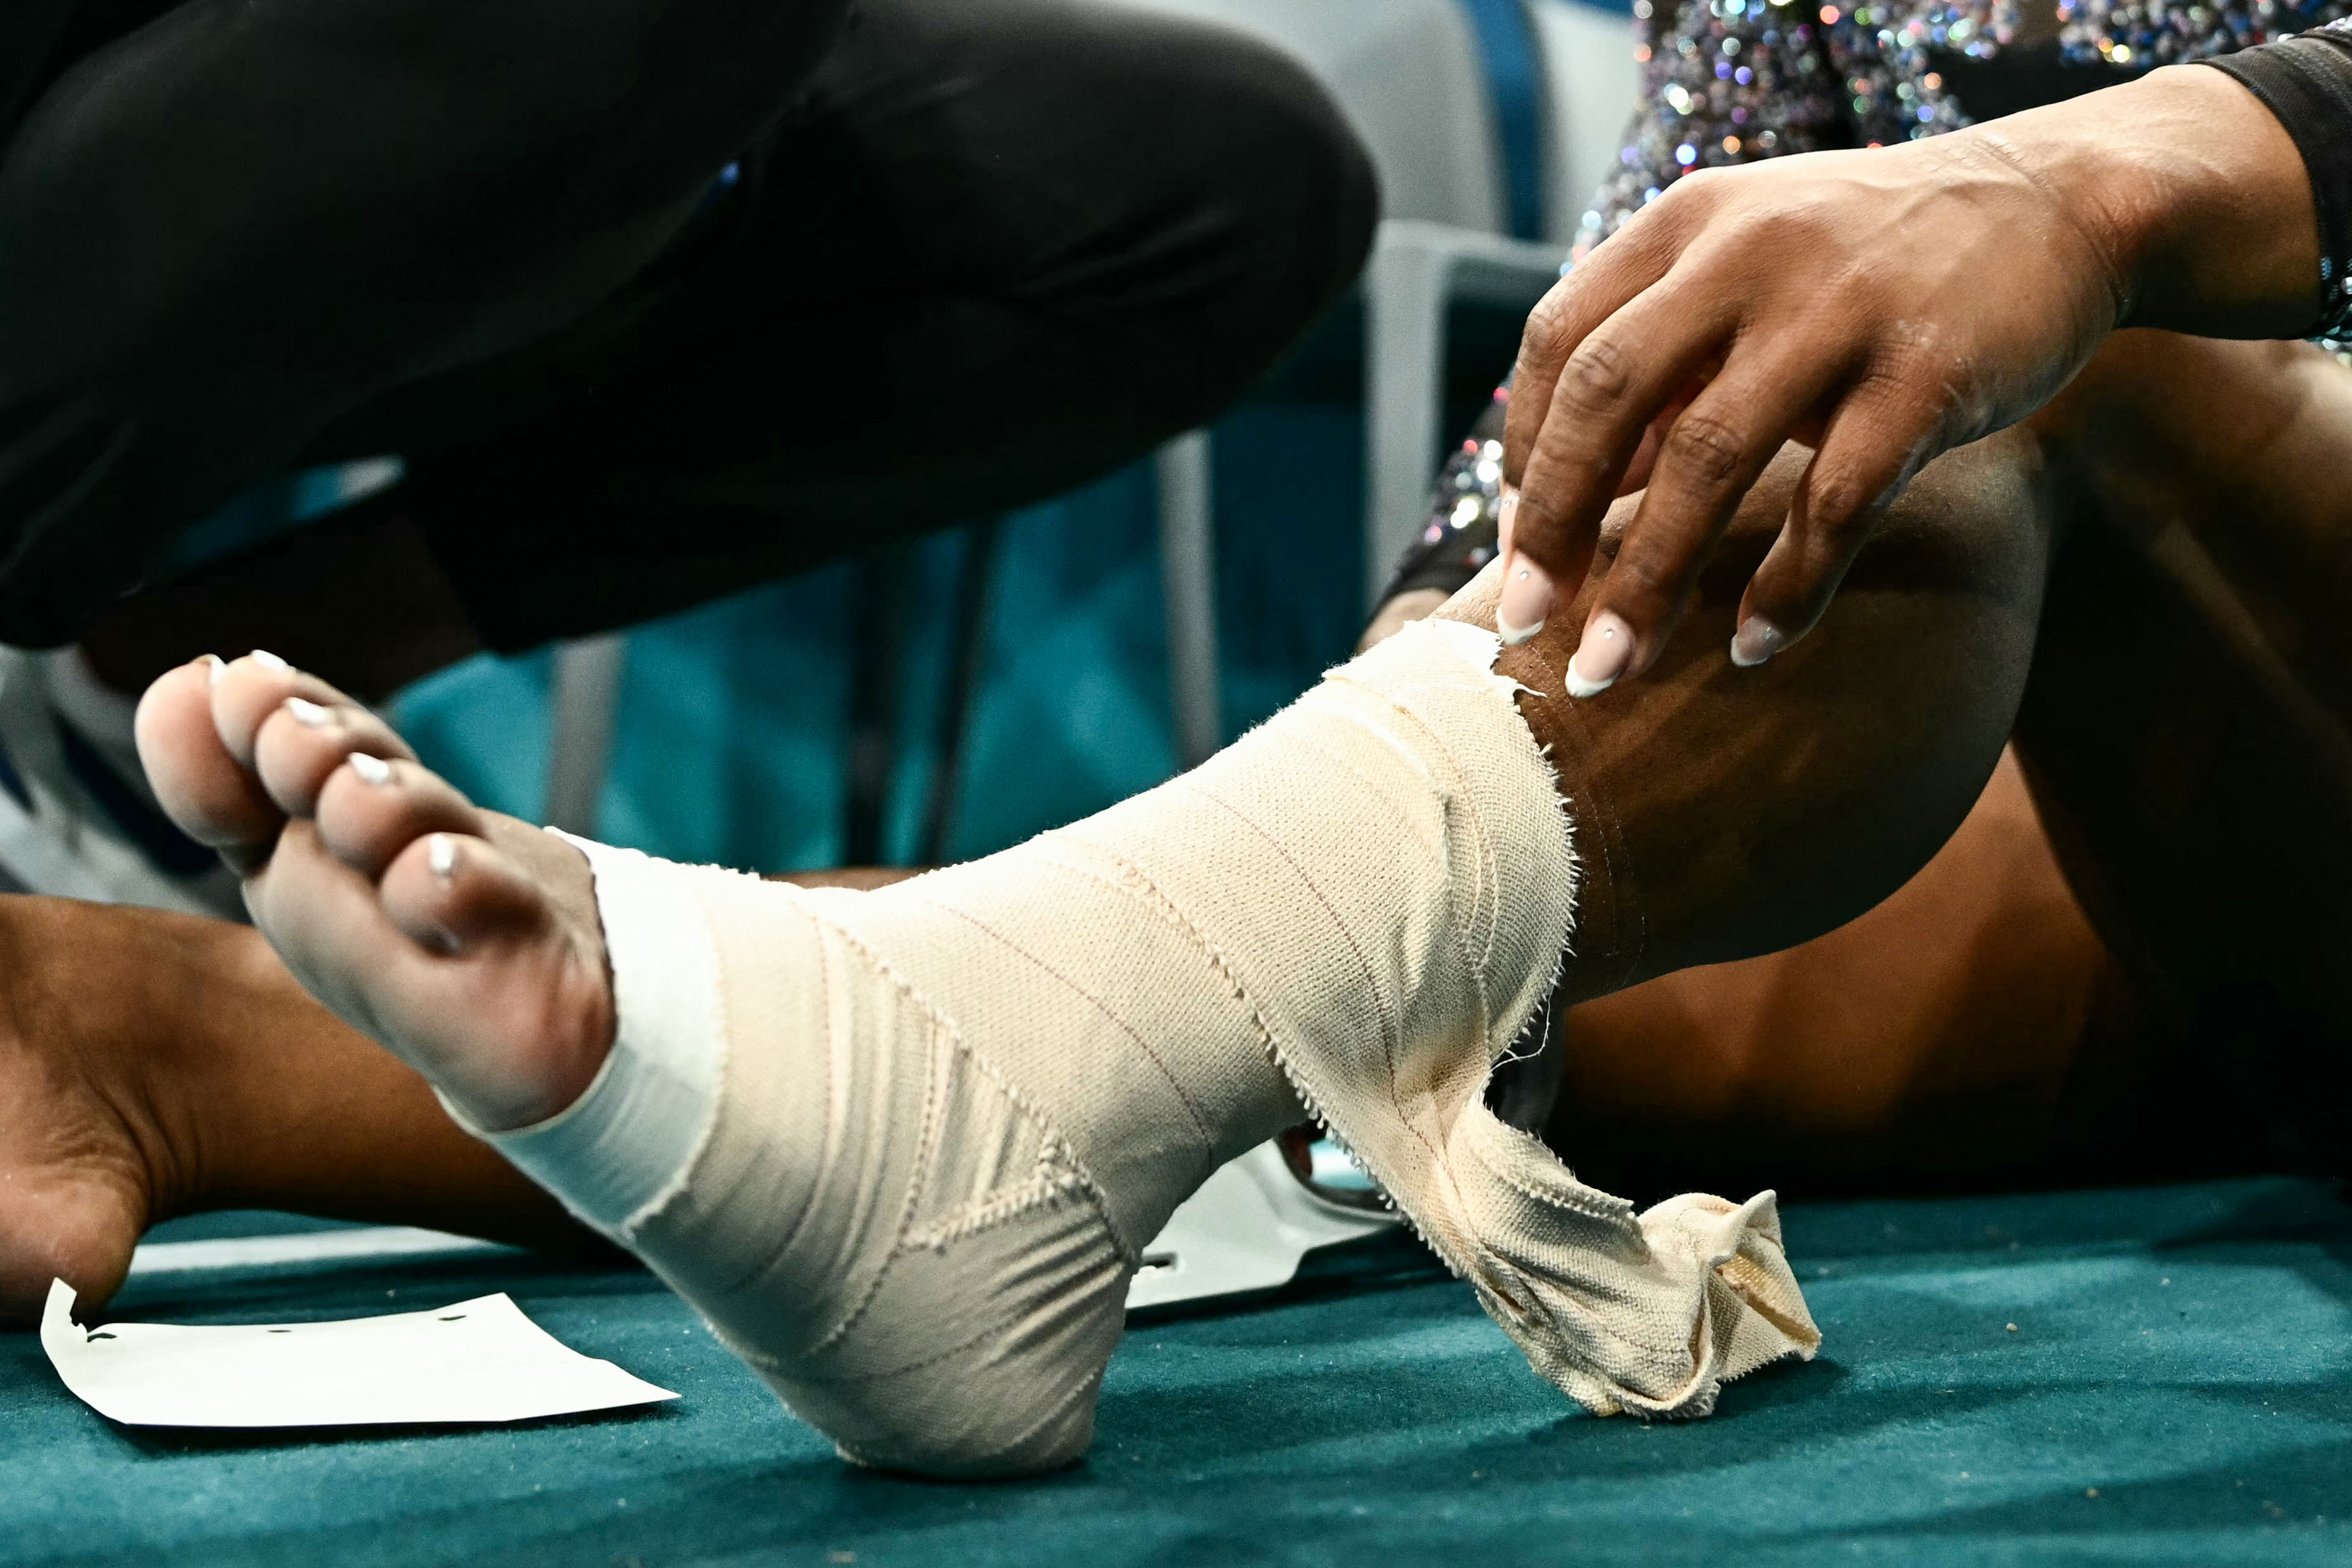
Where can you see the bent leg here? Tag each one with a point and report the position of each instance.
(2187, 728)
(227, 228)
(1003, 249)
(1032, 1059)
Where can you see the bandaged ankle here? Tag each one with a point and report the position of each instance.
(948, 1114)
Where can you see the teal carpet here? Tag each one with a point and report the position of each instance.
(2177, 1389)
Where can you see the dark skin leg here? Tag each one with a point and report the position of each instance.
(1622, 1075)
(153, 1065)
(1723, 813)
(487, 971)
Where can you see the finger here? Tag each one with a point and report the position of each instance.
(1612, 386)
(1645, 456)
(1868, 455)
(1705, 463)
(1617, 272)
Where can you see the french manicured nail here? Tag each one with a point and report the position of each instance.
(1527, 601)
(441, 856)
(308, 714)
(1601, 656)
(214, 667)
(267, 661)
(1506, 517)
(372, 770)
(1757, 640)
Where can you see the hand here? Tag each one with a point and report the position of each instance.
(1880, 306)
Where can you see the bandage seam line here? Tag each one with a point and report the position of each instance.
(1048, 1181)
(1133, 882)
(1096, 1197)
(929, 1138)
(1167, 907)
(707, 950)
(1483, 897)
(1486, 911)
(1391, 1027)
(1308, 1099)
(734, 1284)
(1623, 1217)
(1489, 912)
(1439, 1161)
(1192, 1107)
(1390, 1037)
(1435, 845)
(1440, 852)
(808, 1379)
(1459, 921)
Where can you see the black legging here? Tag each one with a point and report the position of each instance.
(979, 250)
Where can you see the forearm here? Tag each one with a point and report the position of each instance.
(2194, 192)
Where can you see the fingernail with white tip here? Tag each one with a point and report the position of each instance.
(372, 770)
(441, 856)
(267, 661)
(1526, 603)
(214, 667)
(308, 714)
(1757, 640)
(1601, 656)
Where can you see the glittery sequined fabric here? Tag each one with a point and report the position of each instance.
(1462, 532)
(1730, 81)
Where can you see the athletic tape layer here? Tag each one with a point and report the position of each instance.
(947, 1113)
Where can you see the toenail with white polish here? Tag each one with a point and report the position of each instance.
(267, 661)
(214, 667)
(441, 855)
(308, 714)
(372, 770)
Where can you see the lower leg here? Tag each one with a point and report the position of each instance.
(154, 1065)
(1389, 850)
(2187, 728)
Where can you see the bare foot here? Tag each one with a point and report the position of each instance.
(83, 1155)
(485, 962)
(154, 1065)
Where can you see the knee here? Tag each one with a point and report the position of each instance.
(1307, 194)
(1285, 161)
(1254, 168)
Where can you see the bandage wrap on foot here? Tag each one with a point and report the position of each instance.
(903, 1148)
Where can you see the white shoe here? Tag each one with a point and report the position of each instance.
(77, 819)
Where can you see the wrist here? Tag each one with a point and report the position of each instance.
(2215, 215)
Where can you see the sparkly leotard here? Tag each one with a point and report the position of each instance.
(1729, 81)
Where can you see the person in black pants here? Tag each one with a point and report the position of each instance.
(657, 298)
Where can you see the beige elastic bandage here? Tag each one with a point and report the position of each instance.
(902, 1148)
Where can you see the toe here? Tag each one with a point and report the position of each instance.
(455, 892)
(305, 740)
(201, 785)
(370, 808)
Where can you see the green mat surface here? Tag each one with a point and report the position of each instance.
(2177, 1389)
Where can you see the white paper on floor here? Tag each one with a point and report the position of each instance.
(478, 1360)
